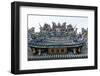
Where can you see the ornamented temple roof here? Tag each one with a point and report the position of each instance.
(57, 36)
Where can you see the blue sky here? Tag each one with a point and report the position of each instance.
(35, 20)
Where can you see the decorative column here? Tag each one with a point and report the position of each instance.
(60, 51)
(78, 50)
(33, 50)
(66, 50)
(39, 52)
(49, 51)
(74, 51)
